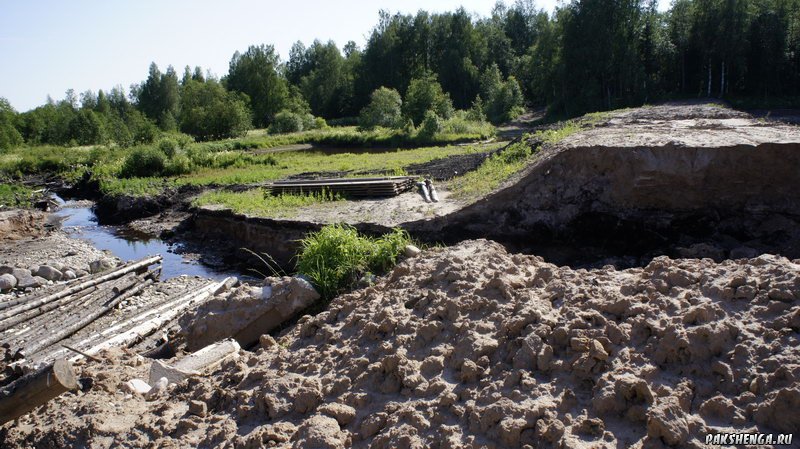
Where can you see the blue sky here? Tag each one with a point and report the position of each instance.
(47, 47)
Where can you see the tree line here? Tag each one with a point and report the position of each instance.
(587, 55)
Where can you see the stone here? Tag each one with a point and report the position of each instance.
(136, 386)
(81, 273)
(7, 282)
(49, 273)
(198, 408)
(100, 265)
(21, 273)
(5, 269)
(30, 282)
(411, 251)
(159, 389)
(69, 275)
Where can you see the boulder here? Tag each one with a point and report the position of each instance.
(69, 275)
(30, 281)
(5, 269)
(49, 273)
(100, 265)
(7, 282)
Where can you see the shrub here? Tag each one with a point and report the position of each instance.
(430, 126)
(168, 146)
(334, 257)
(144, 162)
(286, 122)
(384, 109)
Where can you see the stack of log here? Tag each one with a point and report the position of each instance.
(32, 327)
(43, 333)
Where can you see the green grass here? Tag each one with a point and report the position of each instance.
(502, 166)
(232, 161)
(15, 195)
(335, 257)
(258, 203)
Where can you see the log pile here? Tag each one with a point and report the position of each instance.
(43, 333)
(351, 187)
(33, 327)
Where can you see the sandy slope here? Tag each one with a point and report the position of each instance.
(470, 346)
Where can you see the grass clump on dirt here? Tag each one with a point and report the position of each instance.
(257, 202)
(335, 257)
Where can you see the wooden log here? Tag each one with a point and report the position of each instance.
(74, 327)
(31, 391)
(76, 288)
(25, 316)
(170, 311)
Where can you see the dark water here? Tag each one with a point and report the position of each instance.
(81, 223)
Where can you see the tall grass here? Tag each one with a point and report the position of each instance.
(335, 257)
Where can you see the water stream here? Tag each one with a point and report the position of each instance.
(78, 220)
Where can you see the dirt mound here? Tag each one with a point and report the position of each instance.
(21, 223)
(470, 346)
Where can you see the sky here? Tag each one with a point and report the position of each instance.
(47, 47)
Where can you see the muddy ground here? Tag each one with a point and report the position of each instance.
(473, 347)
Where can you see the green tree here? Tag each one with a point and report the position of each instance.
(9, 136)
(211, 112)
(424, 94)
(384, 109)
(255, 74)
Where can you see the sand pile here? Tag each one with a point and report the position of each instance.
(470, 346)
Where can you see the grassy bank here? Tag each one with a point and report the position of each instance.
(502, 166)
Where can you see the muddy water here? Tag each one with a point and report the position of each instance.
(79, 221)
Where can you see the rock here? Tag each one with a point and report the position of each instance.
(49, 273)
(21, 273)
(136, 386)
(159, 389)
(198, 408)
(411, 251)
(7, 282)
(70, 275)
(5, 269)
(597, 351)
(81, 273)
(344, 414)
(30, 282)
(100, 265)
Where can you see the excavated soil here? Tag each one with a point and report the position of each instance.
(469, 347)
